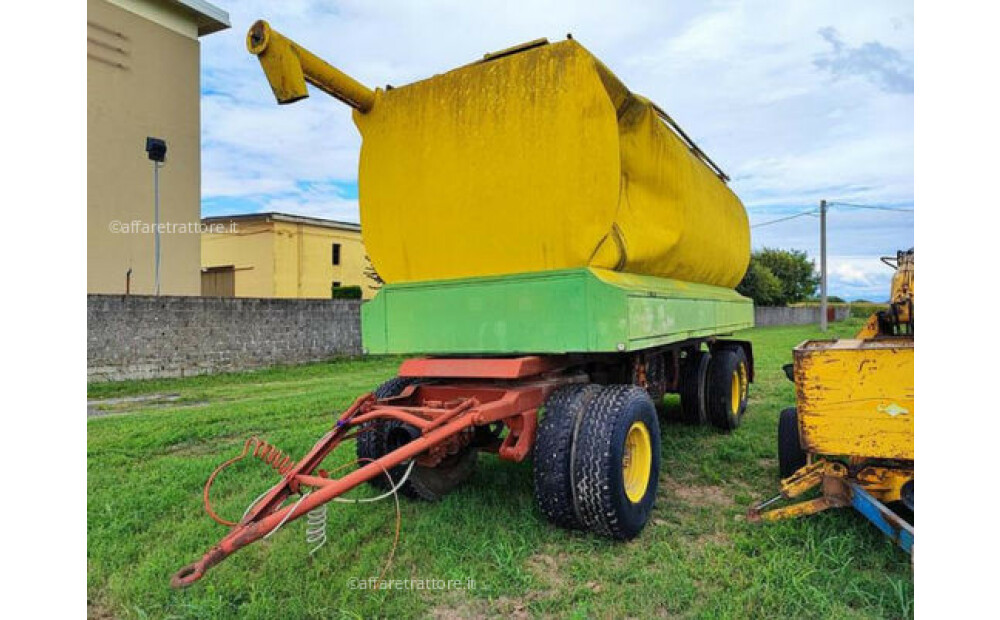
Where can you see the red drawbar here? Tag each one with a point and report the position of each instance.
(481, 367)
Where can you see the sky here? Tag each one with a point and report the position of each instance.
(796, 101)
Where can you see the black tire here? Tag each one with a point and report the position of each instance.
(371, 442)
(791, 456)
(553, 449)
(694, 378)
(726, 393)
(432, 483)
(599, 487)
(906, 494)
(383, 436)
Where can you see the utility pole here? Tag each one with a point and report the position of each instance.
(822, 265)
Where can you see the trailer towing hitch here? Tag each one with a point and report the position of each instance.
(270, 512)
(439, 415)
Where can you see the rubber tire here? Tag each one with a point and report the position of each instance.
(432, 483)
(724, 363)
(554, 440)
(694, 378)
(602, 506)
(791, 456)
(424, 483)
(906, 494)
(370, 444)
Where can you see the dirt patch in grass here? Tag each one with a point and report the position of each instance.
(546, 568)
(502, 607)
(699, 495)
(721, 539)
(129, 404)
(99, 611)
(198, 448)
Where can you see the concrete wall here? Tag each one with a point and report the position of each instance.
(142, 80)
(765, 316)
(141, 337)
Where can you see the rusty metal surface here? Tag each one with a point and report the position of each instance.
(840, 486)
(445, 416)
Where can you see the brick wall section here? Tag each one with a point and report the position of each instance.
(143, 337)
(765, 316)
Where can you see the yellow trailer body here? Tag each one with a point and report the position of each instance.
(855, 397)
(538, 159)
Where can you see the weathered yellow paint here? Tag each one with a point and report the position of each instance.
(533, 160)
(286, 256)
(869, 329)
(902, 287)
(288, 67)
(855, 397)
(882, 483)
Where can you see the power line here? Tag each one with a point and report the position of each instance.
(876, 207)
(785, 219)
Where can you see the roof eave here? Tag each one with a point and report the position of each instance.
(209, 17)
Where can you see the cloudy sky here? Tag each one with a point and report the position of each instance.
(796, 101)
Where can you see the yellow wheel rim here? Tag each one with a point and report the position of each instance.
(744, 381)
(637, 462)
(736, 391)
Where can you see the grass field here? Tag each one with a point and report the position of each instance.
(147, 461)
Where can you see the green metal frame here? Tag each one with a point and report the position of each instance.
(566, 311)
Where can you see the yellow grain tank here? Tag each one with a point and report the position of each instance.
(534, 158)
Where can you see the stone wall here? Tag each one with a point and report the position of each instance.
(143, 337)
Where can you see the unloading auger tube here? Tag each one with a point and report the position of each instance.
(288, 67)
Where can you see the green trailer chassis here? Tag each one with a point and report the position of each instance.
(551, 312)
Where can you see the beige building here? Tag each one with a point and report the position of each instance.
(143, 64)
(279, 255)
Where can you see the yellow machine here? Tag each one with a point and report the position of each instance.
(851, 433)
(898, 319)
(465, 174)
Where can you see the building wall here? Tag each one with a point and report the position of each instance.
(285, 259)
(250, 249)
(145, 337)
(142, 80)
(303, 264)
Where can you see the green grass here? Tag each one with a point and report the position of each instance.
(698, 557)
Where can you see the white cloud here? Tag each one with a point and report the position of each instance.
(754, 82)
(856, 277)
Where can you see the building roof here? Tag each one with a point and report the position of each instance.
(282, 217)
(209, 17)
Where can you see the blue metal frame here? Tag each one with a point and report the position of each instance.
(884, 519)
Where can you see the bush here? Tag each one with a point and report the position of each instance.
(760, 285)
(792, 271)
(345, 292)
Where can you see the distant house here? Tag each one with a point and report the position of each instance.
(143, 80)
(280, 255)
